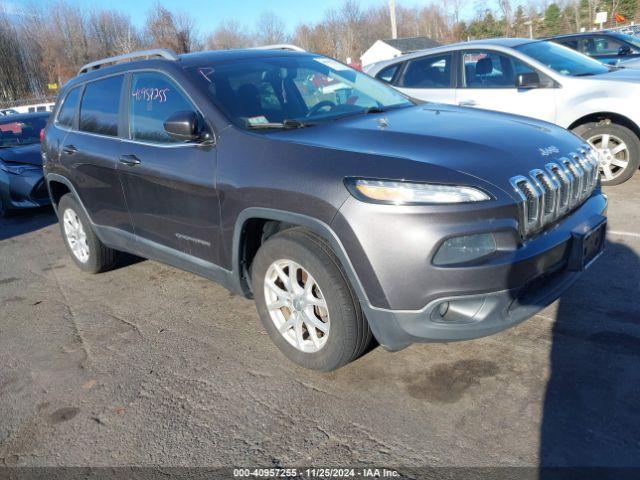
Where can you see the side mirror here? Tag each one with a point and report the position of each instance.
(528, 80)
(624, 50)
(182, 126)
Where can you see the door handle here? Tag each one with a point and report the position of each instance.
(129, 160)
(467, 103)
(69, 149)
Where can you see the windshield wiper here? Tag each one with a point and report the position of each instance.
(284, 125)
(374, 110)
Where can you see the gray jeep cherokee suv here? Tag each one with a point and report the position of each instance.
(347, 211)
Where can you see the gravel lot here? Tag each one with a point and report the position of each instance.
(148, 365)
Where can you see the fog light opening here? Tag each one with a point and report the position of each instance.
(443, 308)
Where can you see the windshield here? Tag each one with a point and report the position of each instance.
(562, 59)
(21, 132)
(260, 92)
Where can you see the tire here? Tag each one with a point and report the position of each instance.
(347, 331)
(615, 167)
(92, 255)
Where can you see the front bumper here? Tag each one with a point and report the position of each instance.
(486, 298)
(27, 190)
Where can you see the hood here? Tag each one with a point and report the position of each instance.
(487, 145)
(631, 63)
(622, 75)
(29, 154)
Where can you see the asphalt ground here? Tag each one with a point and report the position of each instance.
(148, 365)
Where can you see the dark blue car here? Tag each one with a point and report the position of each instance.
(607, 47)
(21, 181)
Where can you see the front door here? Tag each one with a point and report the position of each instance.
(489, 82)
(169, 185)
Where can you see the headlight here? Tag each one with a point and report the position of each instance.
(410, 193)
(16, 169)
(465, 248)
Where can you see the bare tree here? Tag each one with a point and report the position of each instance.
(270, 29)
(168, 30)
(507, 15)
(456, 7)
(229, 35)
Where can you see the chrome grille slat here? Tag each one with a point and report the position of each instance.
(549, 194)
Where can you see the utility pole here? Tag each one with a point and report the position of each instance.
(392, 14)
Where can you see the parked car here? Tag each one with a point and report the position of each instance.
(538, 79)
(21, 181)
(606, 47)
(372, 216)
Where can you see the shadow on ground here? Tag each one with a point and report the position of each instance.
(595, 377)
(26, 221)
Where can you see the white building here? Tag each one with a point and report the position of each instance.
(392, 48)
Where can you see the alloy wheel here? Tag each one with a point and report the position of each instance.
(76, 236)
(613, 155)
(296, 305)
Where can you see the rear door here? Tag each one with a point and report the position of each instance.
(430, 78)
(488, 80)
(90, 153)
(169, 185)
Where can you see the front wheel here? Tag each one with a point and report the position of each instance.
(618, 150)
(306, 304)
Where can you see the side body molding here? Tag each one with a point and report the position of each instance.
(130, 243)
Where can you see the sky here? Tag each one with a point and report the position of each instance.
(208, 14)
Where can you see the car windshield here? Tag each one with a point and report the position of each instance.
(292, 91)
(20, 132)
(562, 59)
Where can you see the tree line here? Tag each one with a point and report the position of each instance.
(45, 44)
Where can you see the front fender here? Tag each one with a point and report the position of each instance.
(603, 103)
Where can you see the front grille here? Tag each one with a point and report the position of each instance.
(549, 194)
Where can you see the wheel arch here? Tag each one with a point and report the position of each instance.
(62, 185)
(266, 222)
(57, 190)
(599, 117)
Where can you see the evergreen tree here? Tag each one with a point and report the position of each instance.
(583, 12)
(553, 20)
(519, 28)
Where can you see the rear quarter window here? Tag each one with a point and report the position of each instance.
(67, 112)
(99, 107)
(387, 74)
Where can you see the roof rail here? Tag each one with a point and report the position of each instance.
(154, 52)
(280, 46)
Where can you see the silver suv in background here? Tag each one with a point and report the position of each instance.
(537, 79)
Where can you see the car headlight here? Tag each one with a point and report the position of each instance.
(16, 169)
(412, 193)
(465, 249)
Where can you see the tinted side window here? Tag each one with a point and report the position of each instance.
(387, 74)
(428, 72)
(68, 109)
(601, 46)
(99, 107)
(571, 43)
(486, 69)
(153, 99)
